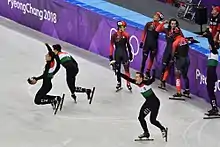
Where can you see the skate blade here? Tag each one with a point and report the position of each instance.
(144, 139)
(211, 116)
(187, 96)
(119, 89)
(58, 105)
(180, 99)
(62, 100)
(166, 138)
(91, 98)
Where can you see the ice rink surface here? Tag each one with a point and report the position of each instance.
(111, 120)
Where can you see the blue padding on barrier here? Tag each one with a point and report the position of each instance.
(133, 19)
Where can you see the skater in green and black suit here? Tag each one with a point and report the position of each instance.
(151, 104)
(211, 70)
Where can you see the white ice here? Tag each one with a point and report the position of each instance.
(111, 120)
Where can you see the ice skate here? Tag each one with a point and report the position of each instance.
(57, 101)
(177, 96)
(213, 113)
(74, 97)
(162, 85)
(186, 93)
(129, 87)
(144, 137)
(118, 87)
(90, 94)
(164, 134)
(147, 75)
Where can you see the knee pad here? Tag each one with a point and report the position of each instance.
(37, 101)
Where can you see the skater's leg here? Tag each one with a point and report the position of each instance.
(126, 68)
(144, 59)
(41, 97)
(211, 79)
(178, 67)
(151, 61)
(184, 71)
(154, 113)
(144, 111)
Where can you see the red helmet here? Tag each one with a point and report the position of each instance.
(121, 24)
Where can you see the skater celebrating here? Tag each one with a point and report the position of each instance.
(122, 53)
(151, 104)
(41, 97)
(71, 66)
(150, 45)
(181, 62)
(211, 71)
(171, 31)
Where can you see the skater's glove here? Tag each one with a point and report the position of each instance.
(141, 45)
(112, 64)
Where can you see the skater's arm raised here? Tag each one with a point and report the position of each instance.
(58, 64)
(160, 28)
(128, 78)
(46, 70)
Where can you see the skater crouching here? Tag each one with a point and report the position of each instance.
(41, 97)
(181, 60)
(151, 104)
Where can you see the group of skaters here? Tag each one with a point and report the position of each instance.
(176, 54)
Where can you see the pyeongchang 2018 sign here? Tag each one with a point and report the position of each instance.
(27, 8)
(134, 46)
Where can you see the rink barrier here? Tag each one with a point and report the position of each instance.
(78, 24)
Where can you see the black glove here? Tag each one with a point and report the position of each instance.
(141, 45)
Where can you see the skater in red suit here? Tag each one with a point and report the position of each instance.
(170, 31)
(149, 42)
(181, 60)
(122, 53)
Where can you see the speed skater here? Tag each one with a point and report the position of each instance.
(122, 53)
(149, 42)
(151, 104)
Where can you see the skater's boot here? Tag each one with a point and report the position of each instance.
(164, 133)
(53, 104)
(88, 92)
(129, 86)
(118, 86)
(186, 93)
(147, 75)
(144, 135)
(162, 85)
(177, 95)
(213, 111)
(74, 97)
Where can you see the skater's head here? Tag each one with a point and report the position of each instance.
(56, 48)
(158, 16)
(215, 10)
(173, 23)
(139, 77)
(121, 26)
